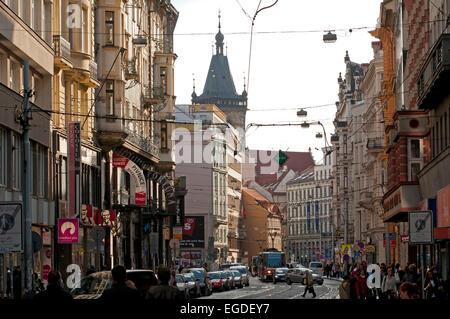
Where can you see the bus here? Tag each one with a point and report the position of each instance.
(268, 261)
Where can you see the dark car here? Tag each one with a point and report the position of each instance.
(93, 285)
(280, 274)
(217, 281)
(201, 275)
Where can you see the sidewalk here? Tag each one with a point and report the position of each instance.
(333, 278)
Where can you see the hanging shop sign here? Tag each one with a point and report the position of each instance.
(370, 248)
(420, 224)
(140, 192)
(88, 213)
(392, 240)
(68, 230)
(169, 190)
(11, 227)
(178, 232)
(105, 218)
(74, 167)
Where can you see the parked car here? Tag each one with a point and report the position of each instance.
(316, 267)
(297, 275)
(280, 274)
(244, 274)
(230, 278)
(217, 280)
(228, 265)
(182, 285)
(93, 285)
(205, 285)
(193, 284)
(226, 279)
(237, 277)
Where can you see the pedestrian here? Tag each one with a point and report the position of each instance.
(344, 288)
(17, 283)
(408, 290)
(119, 290)
(361, 284)
(411, 274)
(54, 291)
(309, 284)
(90, 270)
(433, 288)
(341, 271)
(164, 291)
(389, 286)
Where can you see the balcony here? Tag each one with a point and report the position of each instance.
(153, 95)
(130, 70)
(62, 52)
(93, 70)
(144, 144)
(375, 144)
(435, 74)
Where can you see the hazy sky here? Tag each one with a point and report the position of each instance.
(289, 70)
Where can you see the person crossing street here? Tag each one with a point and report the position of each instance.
(309, 284)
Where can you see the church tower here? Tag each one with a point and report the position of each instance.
(220, 90)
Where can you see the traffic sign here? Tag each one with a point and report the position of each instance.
(420, 227)
(346, 257)
(11, 227)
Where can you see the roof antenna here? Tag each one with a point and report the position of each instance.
(226, 49)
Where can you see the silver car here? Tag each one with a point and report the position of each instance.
(237, 278)
(244, 274)
(316, 267)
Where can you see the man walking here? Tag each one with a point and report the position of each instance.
(120, 291)
(54, 292)
(309, 284)
(164, 291)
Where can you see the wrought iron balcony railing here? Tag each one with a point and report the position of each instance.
(143, 143)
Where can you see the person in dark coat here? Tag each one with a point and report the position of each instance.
(120, 291)
(17, 283)
(54, 292)
(164, 291)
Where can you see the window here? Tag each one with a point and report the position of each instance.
(63, 175)
(109, 27)
(17, 162)
(14, 77)
(110, 98)
(415, 159)
(3, 157)
(163, 79)
(84, 32)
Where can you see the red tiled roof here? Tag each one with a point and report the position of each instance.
(297, 161)
(255, 194)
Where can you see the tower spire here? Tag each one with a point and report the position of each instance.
(219, 20)
(219, 39)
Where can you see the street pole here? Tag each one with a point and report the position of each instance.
(388, 245)
(28, 252)
(422, 264)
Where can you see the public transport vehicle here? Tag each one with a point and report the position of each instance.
(268, 261)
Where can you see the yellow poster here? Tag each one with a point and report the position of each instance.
(346, 249)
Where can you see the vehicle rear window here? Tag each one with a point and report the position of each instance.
(199, 275)
(236, 273)
(214, 276)
(242, 270)
(189, 277)
(316, 265)
(142, 278)
(179, 278)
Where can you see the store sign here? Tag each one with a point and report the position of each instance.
(140, 192)
(420, 224)
(370, 248)
(87, 215)
(105, 218)
(11, 227)
(74, 167)
(178, 232)
(392, 240)
(68, 230)
(404, 238)
(393, 202)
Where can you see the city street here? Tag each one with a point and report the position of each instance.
(267, 290)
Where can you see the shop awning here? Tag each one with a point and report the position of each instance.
(397, 217)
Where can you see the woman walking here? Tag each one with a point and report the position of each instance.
(389, 286)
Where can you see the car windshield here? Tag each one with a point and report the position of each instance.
(236, 273)
(242, 270)
(315, 265)
(179, 278)
(94, 284)
(189, 277)
(223, 275)
(282, 270)
(214, 275)
(199, 275)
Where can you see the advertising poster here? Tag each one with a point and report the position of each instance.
(140, 192)
(193, 232)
